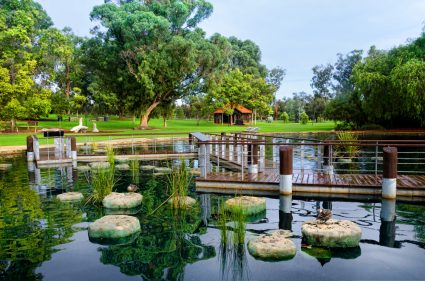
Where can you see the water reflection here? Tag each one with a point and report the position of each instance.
(285, 212)
(163, 249)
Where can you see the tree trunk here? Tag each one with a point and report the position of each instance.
(67, 80)
(164, 116)
(144, 117)
(13, 124)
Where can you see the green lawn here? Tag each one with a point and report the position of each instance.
(175, 128)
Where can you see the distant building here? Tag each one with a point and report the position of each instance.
(241, 116)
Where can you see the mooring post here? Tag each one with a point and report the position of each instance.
(389, 178)
(73, 148)
(36, 147)
(285, 212)
(30, 149)
(286, 169)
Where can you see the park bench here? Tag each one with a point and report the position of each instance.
(29, 125)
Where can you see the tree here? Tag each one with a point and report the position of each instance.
(166, 54)
(21, 24)
(321, 82)
(237, 88)
(285, 117)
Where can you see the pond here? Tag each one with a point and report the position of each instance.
(43, 239)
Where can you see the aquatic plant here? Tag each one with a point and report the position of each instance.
(102, 181)
(348, 150)
(110, 154)
(93, 145)
(239, 225)
(178, 183)
(134, 169)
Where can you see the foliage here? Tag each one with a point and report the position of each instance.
(347, 150)
(102, 181)
(178, 183)
(166, 61)
(285, 117)
(304, 118)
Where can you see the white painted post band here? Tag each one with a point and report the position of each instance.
(253, 169)
(74, 155)
(231, 149)
(30, 156)
(202, 160)
(285, 184)
(389, 188)
(388, 210)
(285, 203)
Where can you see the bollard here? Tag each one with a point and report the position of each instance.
(285, 213)
(286, 168)
(30, 149)
(73, 148)
(389, 178)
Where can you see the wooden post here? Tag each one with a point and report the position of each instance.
(389, 178)
(286, 169)
(388, 219)
(30, 149)
(73, 148)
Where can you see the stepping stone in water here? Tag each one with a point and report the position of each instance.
(122, 167)
(5, 166)
(247, 204)
(70, 196)
(182, 202)
(122, 200)
(147, 168)
(274, 246)
(113, 227)
(83, 168)
(99, 165)
(332, 233)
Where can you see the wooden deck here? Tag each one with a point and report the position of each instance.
(317, 183)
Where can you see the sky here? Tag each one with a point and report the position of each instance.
(292, 34)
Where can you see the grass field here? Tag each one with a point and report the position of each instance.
(175, 128)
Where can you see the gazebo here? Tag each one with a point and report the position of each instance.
(241, 116)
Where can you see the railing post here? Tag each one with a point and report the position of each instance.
(238, 148)
(328, 168)
(252, 158)
(302, 155)
(319, 157)
(202, 159)
(231, 148)
(30, 149)
(389, 178)
(286, 169)
(262, 160)
(223, 145)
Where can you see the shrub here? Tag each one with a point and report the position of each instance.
(285, 117)
(304, 118)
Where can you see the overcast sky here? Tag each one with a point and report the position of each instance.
(292, 34)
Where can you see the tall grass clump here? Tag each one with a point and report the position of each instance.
(348, 150)
(134, 169)
(239, 220)
(110, 155)
(178, 182)
(222, 220)
(103, 179)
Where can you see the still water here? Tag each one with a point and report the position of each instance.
(43, 239)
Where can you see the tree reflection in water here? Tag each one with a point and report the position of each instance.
(168, 242)
(30, 228)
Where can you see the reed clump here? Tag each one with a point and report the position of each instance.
(347, 150)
